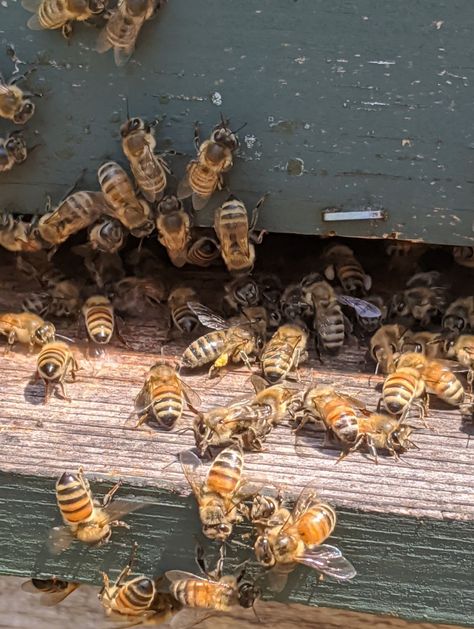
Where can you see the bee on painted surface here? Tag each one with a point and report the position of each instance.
(459, 315)
(149, 170)
(18, 235)
(83, 518)
(329, 322)
(203, 252)
(15, 104)
(26, 328)
(174, 229)
(183, 319)
(12, 151)
(54, 14)
(98, 313)
(163, 394)
(284, 352)
(384, 346)
(464, 256)
(242, 292)
(119, 193)
(138, 598)
(236, 236)
(54, 363)
(76, 212)
(52, 591)
(226, 343)
(204, 175)
(300, 539)
(107, 235)
(123, 27)
(219, 495)
(343, 266)
(215, 591)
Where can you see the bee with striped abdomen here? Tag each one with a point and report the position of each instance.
(26, 328)
(54, 14)
(120, 195)
(300, 540)
(462, 350)
(15, 104)
(12, 151)
(134, 296)
(343, 266)
(149, 170)
(227, 343)
(55, 361)
(384, 345)
(203, 252)
(164, 394)
(405, 386)
(204, 175)
(123, 27)
(183, 319)
(219, 495)
(284, 352)
(464, 256)
(216, 592)
(99, 319)
(173, 224)
(137, 599)
(459, 315)
(83, 518)
(236, 236)
(329, 322)
(107, 235)
(52, 591)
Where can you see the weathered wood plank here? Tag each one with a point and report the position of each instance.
(346, 105)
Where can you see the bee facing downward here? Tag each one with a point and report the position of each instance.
(54, 14)
(12, 151)
(15, 104)
(52, 590)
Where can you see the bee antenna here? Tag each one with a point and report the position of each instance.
(240, 128)
(259, 620)
(66, 338)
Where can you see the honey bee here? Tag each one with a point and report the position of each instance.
(235, 236)
(343, 266)
(174, 229)
(370, 324)
(348, 420)
(424, 298)
(12, 151)
(107, 235)
(462, 349)
(464, 256)
(216, 592)
(227, 343)
(329, 321)
(270, 290)
(204, 175)
(36, 303)
(52, 590)
(105, 269)
(164, 394)
(284, 352)
(219, 495)
(150, 170)
(17, 235)
(430, 344)
(294, 306)
(384, 346)
(459, 315)
(83, 518)
(203, 252)
(15, 104)
(182, 317)
(119, 193)
(26, 328)
(76, 212)
(300, 540)
(53, 365)
(65, 298)
(242, 292)
(135, 295)
(98, 313)
(138, 598)
(405, 387)
(54, 14)
(123, 27)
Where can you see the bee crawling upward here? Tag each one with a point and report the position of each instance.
(12, 151)
(343, 265)
(203, 251)
(107, 235)
(284, 352)
(384, 346)
(174, 224)
(299, 539)
(54, 14)
(182, 318)
(219, 495)
(138, 598)
(52, 590)
(84, 520)
(227, 343)
(204, 175)
(15, 104)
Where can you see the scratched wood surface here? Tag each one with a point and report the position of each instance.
(348, 104)
(19, 610)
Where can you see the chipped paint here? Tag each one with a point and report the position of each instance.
(216, 99)
(295, 167)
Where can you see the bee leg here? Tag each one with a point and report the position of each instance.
(66, 30)
(128, 568)
(119, 335)
(197, 136)
(245, 359)
(11, 341)
(119, 524)
(110, 494)
(63, 391)
(47, 393)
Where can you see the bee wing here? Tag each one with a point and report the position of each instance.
(60, 538)
(329, 561)
(192, 397)
(276, 580)
(142, 401)
(103, 44)
(359, 404)
(49, 600)
(184, 188)
(150, 159)
(31, 5)
(448, 365)
(119, 508)
(207, 317)
(28, 586)
(193, 469)
(259, 383)
(200, 201)
(34, 24)
(180, 575)
(121, 57)
(307, 495)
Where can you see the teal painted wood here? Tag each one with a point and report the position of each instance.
(348, 104)
(416, 569)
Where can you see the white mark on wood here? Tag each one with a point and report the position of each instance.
(250, 141)
(407, 142)
(375, 103)
(383, 63)
(216, 99)
(300, 60)
(437, 24)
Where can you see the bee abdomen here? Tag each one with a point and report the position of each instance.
(346, 427)
(331, 334)
(398, 391)
(226, 471)
(204, 349)
(200, 594)
(450, 390)
(74, 498)
(277, 361)
(201, 179)
(136, 596)
(53, 14)
(317, 524)
(351, 276)
(51, 362)
(100, 323)
(184, 319)
(167, 405)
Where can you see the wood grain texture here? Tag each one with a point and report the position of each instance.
(408, 527)
(19, 610)
(349, 105)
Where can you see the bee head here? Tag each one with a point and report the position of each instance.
(132, 125)
(25, 112)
